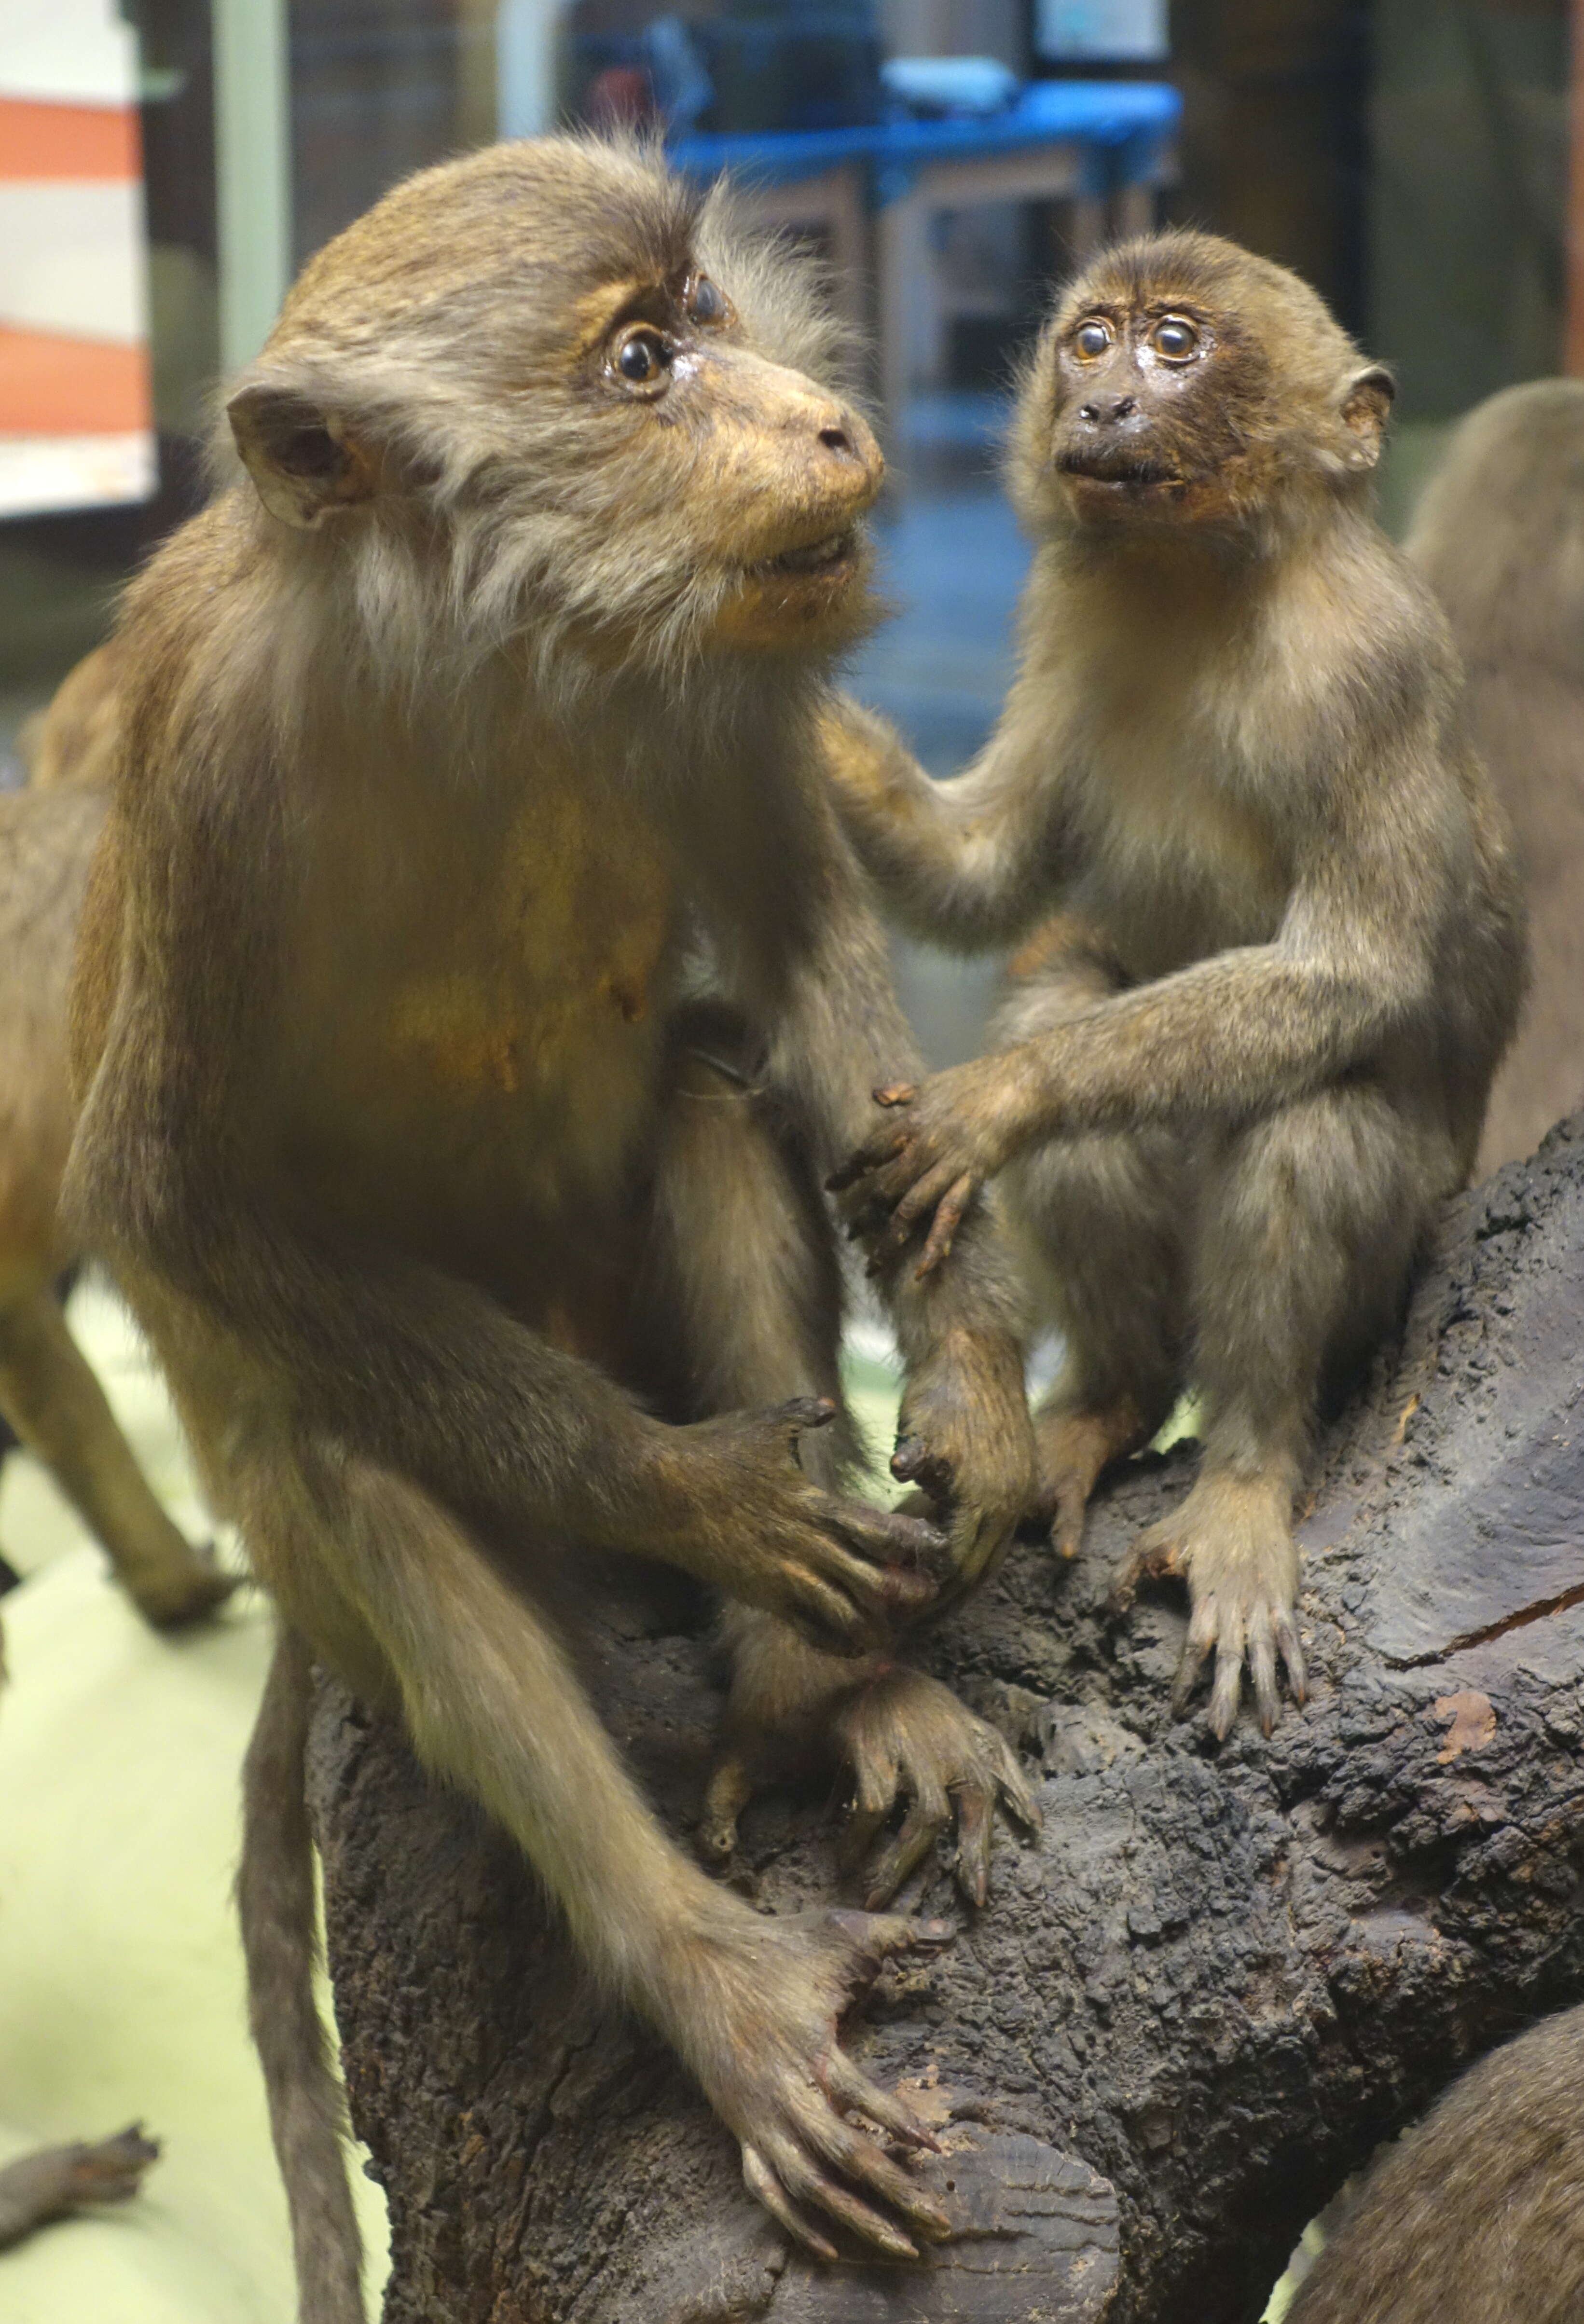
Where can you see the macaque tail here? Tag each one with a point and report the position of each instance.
(279, 1907)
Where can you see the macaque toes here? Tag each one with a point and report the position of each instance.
(1234, 1078)
(475, 987)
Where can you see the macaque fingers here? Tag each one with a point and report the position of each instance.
(921, 1826)
(807, 2184)
(763, 2185)
(861, 2158)
(948, 1218)
(883, 1148)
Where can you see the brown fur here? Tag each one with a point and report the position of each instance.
(464, 754)
(1477, 2216)
(1499, 535)
(48, 1393)
(1228, 1097)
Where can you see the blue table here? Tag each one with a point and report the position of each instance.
(1102, 146)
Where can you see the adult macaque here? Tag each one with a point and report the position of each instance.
(48, 1393)
(1499, 535)
(466, 737)
(1229, 1089)
(1477, 2216)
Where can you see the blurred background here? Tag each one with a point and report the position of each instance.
(165, 166)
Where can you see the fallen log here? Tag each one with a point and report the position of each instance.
(1219, 1979)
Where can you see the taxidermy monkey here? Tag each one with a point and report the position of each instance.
(1477, 2216)
(1499, 535)
(1231, 1086)
(467, 737)
(48, 1393)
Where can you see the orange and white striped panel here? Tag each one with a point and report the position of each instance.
(76, 406)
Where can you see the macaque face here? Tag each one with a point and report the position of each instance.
(766, 474)
(1184, 383)
(552, 365)
(1149, 393)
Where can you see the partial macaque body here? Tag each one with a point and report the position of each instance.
(474, 984)
(1499, 535)
(48, 1393)
(1235, 1078)
(1476, 2216)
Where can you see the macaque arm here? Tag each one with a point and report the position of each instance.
(968, 862)
(1248, 1028)
(836, 1031)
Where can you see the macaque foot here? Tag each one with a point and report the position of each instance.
(46, 2186)
(1232, 1542)
(910, 1744)
(184, 1591)
(908, 1739)
(1074, 1449)
(772, 2068)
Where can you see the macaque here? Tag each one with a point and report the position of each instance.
(1477, 2216)
(48, 1393)
(1499, 535)
(1233, 1080)
(475, 986)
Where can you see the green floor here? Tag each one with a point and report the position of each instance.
(121, 1989)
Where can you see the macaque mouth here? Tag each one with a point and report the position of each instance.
(1099, 467)
(824, 556)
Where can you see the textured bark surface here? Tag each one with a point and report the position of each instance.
(1221, 1977)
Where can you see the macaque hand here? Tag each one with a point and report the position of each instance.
(763, 2043)
(943, 1138)
(738, 1511)
(908, 1739)
(965, 1437)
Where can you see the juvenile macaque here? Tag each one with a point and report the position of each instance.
(1477, 2216)
(48, 1393)
(468, 738)
(1499, 535)
(1232, 1086)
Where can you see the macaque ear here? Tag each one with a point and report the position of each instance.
(304, 463)
(1367, 405)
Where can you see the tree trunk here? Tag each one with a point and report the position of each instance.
(1222, 1976)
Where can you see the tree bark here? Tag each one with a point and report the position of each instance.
(1221, 1977)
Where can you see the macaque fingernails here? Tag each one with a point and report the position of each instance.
(895, 1093)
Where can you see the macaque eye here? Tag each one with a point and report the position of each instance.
(643, 357)
(1092, 338)
(705, 303)
(1175, 338)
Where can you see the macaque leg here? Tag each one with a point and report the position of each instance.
(1308, 1223)
(493, 1704)
(59, 1410)
(58, 2180)
(744, 1259)
(1102, 1222)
